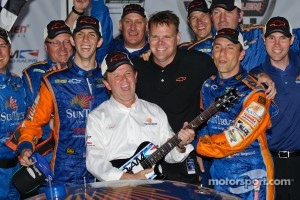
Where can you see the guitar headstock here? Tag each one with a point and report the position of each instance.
(225, 101)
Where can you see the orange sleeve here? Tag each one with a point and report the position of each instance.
(38, 116)
(252, 121)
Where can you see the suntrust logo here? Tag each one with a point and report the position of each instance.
(251, 180)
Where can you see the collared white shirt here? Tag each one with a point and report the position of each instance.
(115, 132)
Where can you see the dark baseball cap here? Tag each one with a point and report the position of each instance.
(87, 22)
(278, 24)
(133, 8)
(27, 179)
(4, 35)
(56, 27)
(230, 34)
(113, 60)
(198, 5)
(226, 4)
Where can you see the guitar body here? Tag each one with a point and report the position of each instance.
(135, 163)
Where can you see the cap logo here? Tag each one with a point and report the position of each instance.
(117, 57)
(57, 26)
(227, 31)
(88, 21)
(132, 7)
(195, 4)
(277, 23)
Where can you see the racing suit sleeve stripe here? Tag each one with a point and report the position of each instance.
(38, 116)
(251, 122)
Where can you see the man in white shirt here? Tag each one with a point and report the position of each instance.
(117, 127)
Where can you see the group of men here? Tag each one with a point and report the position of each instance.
(173, 78)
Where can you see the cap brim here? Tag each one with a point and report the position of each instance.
(111, 69)
(223, 6)
(278, 30)
(227, 37)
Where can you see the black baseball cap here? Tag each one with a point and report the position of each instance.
(56, 27)
(4, 35)
(113, 60)
(133, 8)
(230, 34)
(226, 4)
(198, 5)
(278, 24)
(87, 22)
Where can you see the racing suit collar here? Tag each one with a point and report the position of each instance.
(80, 71)
(4, 78)
(232, 80)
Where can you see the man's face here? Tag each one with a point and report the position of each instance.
(277, 46)
(133, 27)
(122, 82)
(86, 42)
(59, 49)
(226, 19)
(5, 52)
(227, 57)
(163, 41)
(201, 24)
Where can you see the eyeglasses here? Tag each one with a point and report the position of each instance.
(57, 43)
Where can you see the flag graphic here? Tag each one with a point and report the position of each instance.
(9, 11)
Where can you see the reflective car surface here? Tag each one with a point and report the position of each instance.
(134, 190)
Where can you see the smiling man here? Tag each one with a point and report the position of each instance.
(69, 94)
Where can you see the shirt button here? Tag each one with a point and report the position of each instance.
(285, 83)
(162, 80)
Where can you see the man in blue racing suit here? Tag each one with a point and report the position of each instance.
(70, 93)
(12, 109)
(237, 139)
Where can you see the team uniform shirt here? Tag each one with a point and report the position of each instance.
(253, 42)
(115, 131)
(285, 133)
(237, 139)
(101, 12)
(32, 76)
(70, 94)
(176, 89)
(12, 107)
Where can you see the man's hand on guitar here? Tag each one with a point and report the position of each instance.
(186, 136)
(139, 175)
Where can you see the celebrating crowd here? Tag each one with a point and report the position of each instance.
(97, 99)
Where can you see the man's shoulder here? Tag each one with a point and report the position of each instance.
(40, 66)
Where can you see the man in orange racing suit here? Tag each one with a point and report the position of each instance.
(237, 139)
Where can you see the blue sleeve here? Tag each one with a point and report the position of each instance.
(296, 45)
(29, 94)
(101, 12)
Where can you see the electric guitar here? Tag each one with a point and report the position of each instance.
(148, 155)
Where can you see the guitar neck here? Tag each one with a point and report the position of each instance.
(174, 141)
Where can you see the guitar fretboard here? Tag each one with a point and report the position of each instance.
(174, 141)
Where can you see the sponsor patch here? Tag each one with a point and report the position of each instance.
(70, 151)
(60, 81)
(232, 135)
(255, 110)
(261, 100)
(249, 119)
(243, 128)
